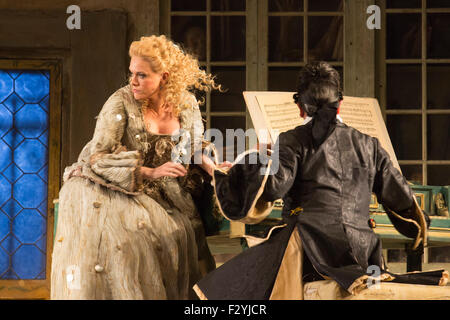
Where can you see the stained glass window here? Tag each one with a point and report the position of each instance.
(24, 124)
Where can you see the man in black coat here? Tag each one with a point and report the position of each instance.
(326, 173)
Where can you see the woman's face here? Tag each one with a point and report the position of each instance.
(144, 82)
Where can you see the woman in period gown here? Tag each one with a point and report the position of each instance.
(128, 227)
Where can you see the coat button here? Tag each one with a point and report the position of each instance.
(98, 268)
(97, 205)
(141, 224)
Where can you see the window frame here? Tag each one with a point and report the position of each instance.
(165, 28)
(256, 64)
(423, 61)
(40, 289)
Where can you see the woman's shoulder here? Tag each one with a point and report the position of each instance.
(189, 109)
(124, 94)
(188, 101)
(121, 99)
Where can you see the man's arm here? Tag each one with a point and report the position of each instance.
(394, 193)
(284, 168)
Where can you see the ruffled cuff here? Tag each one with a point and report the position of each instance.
(122, 169)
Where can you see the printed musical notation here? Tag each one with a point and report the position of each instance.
(277, 112)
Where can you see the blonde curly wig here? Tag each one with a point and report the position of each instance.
(184, 71)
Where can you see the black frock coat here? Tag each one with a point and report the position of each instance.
(326, 193)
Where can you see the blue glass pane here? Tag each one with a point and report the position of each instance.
(44, 138)
(5, 190)
(43, 173)
(42, 243)
(10, 244)
(6, 120)
(13, 103)
(12, 173)
(22, 189)
(43, 208)
(4, 226)
(5, 156)
(28, 262)
(32, 86)
(31, 121)
(13, 138)
(14, 74)
(12, 208)
(4, 262)
(30, 156)
(41, 275)
(45, 103)
(6, 85)
(28, 226)
(10, 275)
(24, 123)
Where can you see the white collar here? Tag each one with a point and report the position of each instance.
(308, 119)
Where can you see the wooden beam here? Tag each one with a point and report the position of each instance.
(24, 289)
(359, 50)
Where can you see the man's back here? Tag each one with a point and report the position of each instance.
(332, 184)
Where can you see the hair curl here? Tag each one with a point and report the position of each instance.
(164, 55)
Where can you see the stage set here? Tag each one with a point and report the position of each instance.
(60, 61)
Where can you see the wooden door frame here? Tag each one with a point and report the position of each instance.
(40, 289)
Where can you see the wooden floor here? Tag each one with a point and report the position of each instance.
(223, 248)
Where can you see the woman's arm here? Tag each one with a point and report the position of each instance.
(209, 166)
(168, 169)
(108, 159)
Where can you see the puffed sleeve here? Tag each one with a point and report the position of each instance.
(198, 128)
(198, 143)
(191, 135)
(107, 157)
(397, 198)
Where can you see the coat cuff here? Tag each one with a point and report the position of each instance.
(238, 191)
(411, 223)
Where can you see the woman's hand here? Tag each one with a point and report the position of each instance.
(209, 166)
(224, 165)
(168, 169)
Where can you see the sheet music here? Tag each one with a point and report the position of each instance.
(364, 114)
(277, 112)
(359, 116)
(280, 113)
